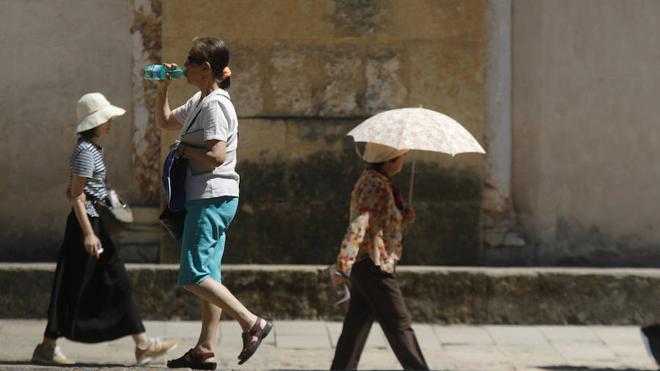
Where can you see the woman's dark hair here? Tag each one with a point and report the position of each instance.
(214, 51)
(88, 134)
(380, 165)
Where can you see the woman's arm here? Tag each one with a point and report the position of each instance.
(77, 198)
(366, 229)
(164, 117)
(350, 245)
(214, 154)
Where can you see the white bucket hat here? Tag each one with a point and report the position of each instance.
(375, 153)
(93, 109)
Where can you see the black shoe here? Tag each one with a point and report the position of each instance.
(193, 359)
(651, 337)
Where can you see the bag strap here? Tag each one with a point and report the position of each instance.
(193, 121)
(197, 114)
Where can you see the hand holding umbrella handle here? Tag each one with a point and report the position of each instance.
(409, 215)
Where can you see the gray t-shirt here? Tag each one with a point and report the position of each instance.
(217, 120)
(87, 161)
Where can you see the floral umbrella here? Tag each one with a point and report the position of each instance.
(416, 129)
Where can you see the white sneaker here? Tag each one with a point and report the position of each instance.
(156, 348)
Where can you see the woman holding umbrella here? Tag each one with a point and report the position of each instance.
(369, 253)
(372, 245)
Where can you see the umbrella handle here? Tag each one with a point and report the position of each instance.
(412, 181)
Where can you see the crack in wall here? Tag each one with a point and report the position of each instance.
(147, 49)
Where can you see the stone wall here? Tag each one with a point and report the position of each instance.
(585, 130)
(304, 73)
(433, 294)
(583, 111)
(54, 52)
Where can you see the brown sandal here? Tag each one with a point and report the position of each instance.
(193, 359)
(252, 339)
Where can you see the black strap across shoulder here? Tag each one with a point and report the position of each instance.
(193, 121)
(197, 114)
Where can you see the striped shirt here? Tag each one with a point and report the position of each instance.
(87, 161)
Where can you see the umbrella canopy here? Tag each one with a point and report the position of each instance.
(417, 129)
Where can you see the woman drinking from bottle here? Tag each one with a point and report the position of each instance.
(209, 128)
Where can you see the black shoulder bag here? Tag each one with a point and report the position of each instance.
(173, 220)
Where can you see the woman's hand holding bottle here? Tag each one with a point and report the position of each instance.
(165, 72)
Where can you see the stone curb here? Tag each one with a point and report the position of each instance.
(470, 295)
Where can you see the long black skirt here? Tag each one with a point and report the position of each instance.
(92, 300)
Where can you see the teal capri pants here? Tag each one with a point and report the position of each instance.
(204, 238)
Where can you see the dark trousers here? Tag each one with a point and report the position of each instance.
(376, 295)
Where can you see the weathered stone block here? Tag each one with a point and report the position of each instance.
(458, 21)
(448, 78)
(355, 78)
(248, 78)
(455, 20)
(342, 94)
(352, 78)
(385, 88)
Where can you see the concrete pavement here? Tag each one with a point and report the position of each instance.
(310, 345)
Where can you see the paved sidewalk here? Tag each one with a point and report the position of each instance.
(310, 345)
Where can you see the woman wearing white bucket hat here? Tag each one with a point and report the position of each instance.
(94, 110)
(368, 255)
(91, 300)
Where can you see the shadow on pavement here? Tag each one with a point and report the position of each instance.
(587, 368)
(80, 365)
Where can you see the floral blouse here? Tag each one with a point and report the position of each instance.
(376, 224)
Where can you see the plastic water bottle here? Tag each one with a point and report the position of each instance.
(160, 71)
